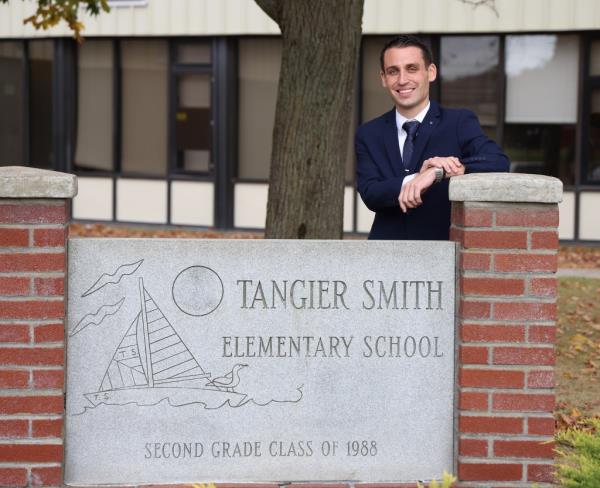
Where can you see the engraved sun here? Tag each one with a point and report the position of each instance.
(197, 291)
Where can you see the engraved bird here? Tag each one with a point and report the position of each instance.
(229, 381)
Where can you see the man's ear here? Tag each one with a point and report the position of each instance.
(432, 72)
(382, 74)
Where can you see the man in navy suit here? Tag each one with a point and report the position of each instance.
(405, 157)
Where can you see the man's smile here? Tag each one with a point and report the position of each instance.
(404, 91)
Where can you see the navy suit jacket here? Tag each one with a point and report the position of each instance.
(380, 172)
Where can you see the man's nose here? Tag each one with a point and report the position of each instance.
(402, 77)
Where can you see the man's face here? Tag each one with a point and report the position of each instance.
(407, 79)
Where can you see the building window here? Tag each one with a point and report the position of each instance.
(259, 63)
(95, 106)
(541, 104)
(469, 76)
(193, 53)
(545, 149)
(12, 140)
(591, 146)
(593, 162)
(41, 56)
(144, 68)
(193, 123)
(595, 58)
(191, 118)
(375, 99)
(258, 72)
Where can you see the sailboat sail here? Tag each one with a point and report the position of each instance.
(170, 358)
(125, 369)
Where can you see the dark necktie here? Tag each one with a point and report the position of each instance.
(410, 126)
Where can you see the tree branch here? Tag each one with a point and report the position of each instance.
(491, 4)
(273, 8)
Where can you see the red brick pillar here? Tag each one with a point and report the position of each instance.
(506, 227)
(33, 226)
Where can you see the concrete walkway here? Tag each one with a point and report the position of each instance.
(578, 273)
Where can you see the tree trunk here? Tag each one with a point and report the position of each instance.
(321, 40)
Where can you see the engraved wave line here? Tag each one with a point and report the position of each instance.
(166, 399)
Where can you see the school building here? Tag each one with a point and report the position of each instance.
(166, 112)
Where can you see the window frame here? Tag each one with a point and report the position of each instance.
(175, 70)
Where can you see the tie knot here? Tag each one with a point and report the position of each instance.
(411, 126)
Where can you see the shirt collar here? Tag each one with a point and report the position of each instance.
(400, 119)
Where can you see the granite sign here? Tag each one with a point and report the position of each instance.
(221, 360)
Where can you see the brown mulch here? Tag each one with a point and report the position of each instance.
(106, 230)
(579, 257)
(568, 256)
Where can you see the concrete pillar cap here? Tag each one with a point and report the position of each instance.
(24, 182)
(505, 187)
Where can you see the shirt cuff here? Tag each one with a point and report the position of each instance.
(408, 178)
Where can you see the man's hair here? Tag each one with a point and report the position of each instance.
(407, 41)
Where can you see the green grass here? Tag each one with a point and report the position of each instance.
(579, 450)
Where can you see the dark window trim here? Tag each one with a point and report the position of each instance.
(64, 104)
(225, 126)
(171, 104)
(117, 122)
(26, 105)
(501, 91)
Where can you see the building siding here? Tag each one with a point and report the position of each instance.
(244, 17)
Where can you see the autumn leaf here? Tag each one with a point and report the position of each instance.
(50, 13)
(580, 342)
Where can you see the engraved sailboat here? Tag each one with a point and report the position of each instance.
(152, 364)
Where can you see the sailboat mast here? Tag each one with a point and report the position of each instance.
(146, 334)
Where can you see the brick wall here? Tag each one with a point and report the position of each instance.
(507, 315)
(33, 217)
(506, 328)
(32, 282)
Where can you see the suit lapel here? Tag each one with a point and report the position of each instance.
(390, 138)
(426, 128)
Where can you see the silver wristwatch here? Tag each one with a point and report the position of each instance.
(439, 174)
